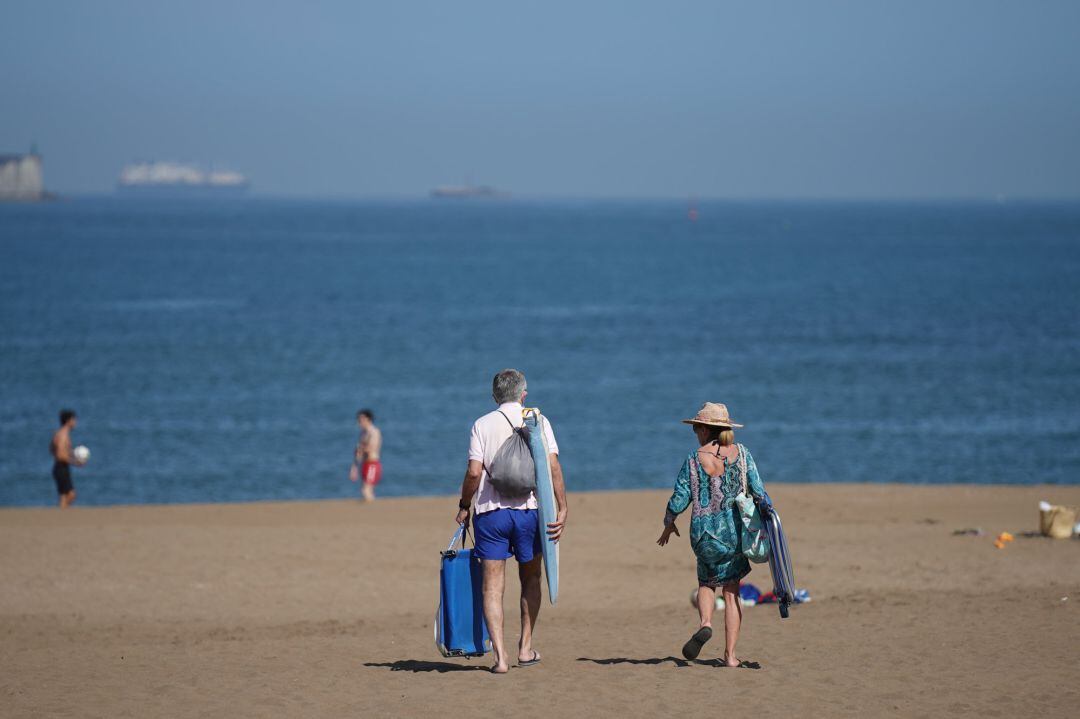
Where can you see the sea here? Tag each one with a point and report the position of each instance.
(218, 351)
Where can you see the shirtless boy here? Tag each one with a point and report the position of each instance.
(367, 454)
(60, 448)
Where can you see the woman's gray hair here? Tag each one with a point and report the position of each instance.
(508, 386)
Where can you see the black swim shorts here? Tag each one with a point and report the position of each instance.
(61, 472)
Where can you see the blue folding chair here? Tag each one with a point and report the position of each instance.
(779, 556)
(460, 629)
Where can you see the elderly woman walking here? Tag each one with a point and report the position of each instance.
(710, 479)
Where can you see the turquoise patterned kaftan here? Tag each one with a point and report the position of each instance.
(714, 520)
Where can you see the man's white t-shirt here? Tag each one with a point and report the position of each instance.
(488, 434)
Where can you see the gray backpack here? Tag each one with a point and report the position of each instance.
(512, 472)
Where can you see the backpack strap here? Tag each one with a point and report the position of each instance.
(512, 425)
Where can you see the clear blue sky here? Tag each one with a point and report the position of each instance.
(852, 98)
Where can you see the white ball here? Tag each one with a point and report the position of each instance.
(81, 453)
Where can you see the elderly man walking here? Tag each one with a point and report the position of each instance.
(508, 526)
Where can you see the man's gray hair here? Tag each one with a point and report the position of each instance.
(508, 386)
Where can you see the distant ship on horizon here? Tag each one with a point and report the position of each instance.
(177, 180)
(467, 191)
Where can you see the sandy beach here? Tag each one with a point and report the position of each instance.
(326, 609)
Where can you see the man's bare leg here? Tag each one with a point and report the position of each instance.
(368, 492)
(529, 574)
(67, 499)
(494, 583)
(732, 621)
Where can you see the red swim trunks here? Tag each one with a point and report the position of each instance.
(371, 472)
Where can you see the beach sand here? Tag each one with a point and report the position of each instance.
(326, 609)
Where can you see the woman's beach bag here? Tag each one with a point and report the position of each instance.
(513, 472)
(460, 630)
(755, 540)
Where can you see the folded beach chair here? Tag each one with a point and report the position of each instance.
(460, 630)
(779, 557)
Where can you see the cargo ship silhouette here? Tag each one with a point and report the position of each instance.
(467, 191)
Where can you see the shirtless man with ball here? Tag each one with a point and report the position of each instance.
(60, 448)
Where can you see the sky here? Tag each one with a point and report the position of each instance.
(828, 99)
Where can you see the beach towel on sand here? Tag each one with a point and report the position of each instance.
(460, 630)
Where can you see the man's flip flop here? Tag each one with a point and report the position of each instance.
(693, 647)
(531, 662)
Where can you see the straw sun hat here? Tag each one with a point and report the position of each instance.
(713, 414)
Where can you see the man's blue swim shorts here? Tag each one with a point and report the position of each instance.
(502, 533)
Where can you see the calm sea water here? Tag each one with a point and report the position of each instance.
(219, 351)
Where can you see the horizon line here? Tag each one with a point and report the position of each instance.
(1002, 199)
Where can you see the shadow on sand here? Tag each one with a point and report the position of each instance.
(417, 665)
(674, 660)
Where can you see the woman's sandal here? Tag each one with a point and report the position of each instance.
(693, 647)
(531, 662)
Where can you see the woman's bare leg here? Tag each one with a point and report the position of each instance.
(732, 621)
(706, 603)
